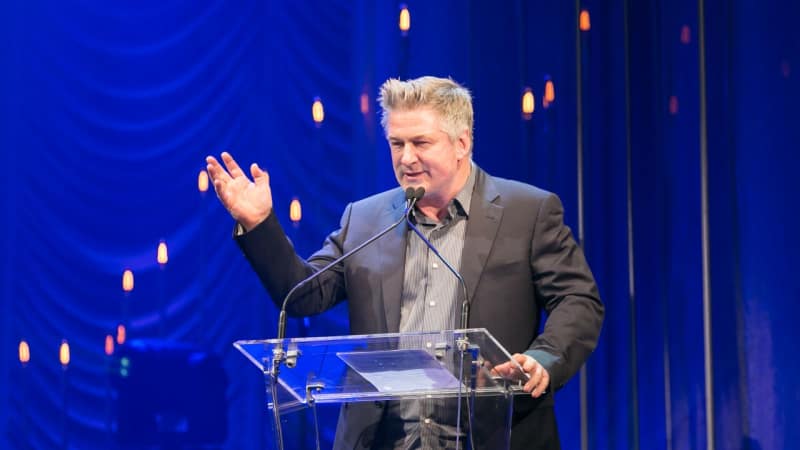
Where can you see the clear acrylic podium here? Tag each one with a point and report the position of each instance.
(448, 374)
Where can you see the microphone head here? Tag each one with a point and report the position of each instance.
(410, 192)
(419, 193)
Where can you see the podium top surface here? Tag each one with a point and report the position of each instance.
(383, 366)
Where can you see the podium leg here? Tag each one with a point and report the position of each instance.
(312, 403)
(313, 406)
(276, 412)
(460, 396)
(471, 403)
(468, 355)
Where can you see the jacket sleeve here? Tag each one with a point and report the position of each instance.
(566, 290)
(279, 268)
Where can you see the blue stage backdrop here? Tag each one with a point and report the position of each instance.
(670, 133)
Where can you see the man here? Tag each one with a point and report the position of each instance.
(507, 239)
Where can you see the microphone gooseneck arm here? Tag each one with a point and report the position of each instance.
(411, 200)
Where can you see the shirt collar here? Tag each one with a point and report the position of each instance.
(459, 206)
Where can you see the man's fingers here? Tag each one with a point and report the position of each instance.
(509, 369)
(542, 386)
(521, 360)
(222, 192)
(232, 165)
(215, 170)
(530, 365)
(539, 382)
(499, 370)
(219, 178)
(536, 377)
(506, 370)
(259, 176)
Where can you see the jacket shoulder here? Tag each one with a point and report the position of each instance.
(513, 192)
(381, 199)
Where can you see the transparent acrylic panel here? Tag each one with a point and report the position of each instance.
(431, 420)
(439, 388)
(384, 366)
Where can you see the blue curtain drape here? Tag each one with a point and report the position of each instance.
(109, 109)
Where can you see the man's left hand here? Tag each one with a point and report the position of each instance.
(538, 378)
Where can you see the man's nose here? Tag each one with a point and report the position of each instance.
(409, 155)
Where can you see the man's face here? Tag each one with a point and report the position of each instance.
(424, 156)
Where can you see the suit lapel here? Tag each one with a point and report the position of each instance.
(392, 249)
(484, 221)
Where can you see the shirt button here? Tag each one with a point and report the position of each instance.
(435, 265)
(432, 303)
(427, 421)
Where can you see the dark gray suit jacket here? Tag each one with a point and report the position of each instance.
(519, 260)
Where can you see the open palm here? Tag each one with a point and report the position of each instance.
(249, 202)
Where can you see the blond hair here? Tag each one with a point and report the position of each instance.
(449, 99)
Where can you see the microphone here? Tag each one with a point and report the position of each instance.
(411, 200)
(418, 194)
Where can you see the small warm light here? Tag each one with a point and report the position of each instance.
(686, 34)
(63, 353)
(127, 280)
(109, 347)
(549, 93)
(24, 352)
(364, 103)
(673, 105)
(317, 111)
(585, 23)
(405, 19)
(120, 334)
(528, 104)
(295, 211)
(161, 255)
(202, 181)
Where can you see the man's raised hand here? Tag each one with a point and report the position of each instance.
(249, 202)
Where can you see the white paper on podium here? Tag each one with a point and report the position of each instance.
(400, 370)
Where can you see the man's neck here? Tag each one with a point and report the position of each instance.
(436, 208)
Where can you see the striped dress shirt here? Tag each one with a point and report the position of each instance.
(430, 301)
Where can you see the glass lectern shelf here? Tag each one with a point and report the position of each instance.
(384, 366)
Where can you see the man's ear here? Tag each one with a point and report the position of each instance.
(463, 144)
